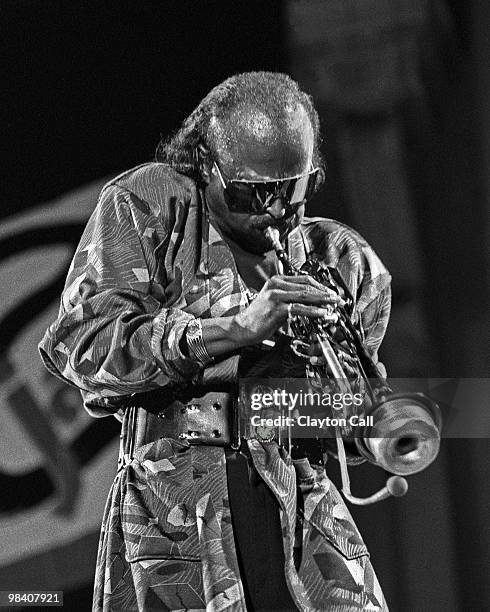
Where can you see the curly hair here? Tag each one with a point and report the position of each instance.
(272, 97)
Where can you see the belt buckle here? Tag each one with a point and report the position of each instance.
(207, 419)
(264, 433)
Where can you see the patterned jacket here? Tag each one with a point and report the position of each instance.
(148, 262)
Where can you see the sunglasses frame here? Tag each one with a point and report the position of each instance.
(276, 184)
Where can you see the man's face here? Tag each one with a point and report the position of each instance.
(256, 160)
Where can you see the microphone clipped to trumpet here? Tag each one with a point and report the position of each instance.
(405, 431)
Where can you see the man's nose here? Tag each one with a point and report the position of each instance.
(277, 208)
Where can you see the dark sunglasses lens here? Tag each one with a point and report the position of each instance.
(240, 197)
(250, 197)
(295, 191)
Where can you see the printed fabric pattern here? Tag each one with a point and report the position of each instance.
(148, 262)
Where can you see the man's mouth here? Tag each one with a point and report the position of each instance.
(280, 224)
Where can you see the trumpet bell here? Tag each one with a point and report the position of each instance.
(405, 436)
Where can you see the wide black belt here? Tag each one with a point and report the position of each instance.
(198, 415)
(212, 416)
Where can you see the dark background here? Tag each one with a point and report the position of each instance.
(88, 88)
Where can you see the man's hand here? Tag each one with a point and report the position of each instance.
(269, 310)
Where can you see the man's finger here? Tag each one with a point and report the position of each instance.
(296, 309)
(290, 283)
(306, 297)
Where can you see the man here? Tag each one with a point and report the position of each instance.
(172, 289)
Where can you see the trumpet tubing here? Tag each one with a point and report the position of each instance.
(405, 437)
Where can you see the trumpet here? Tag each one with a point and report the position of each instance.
(404, 435)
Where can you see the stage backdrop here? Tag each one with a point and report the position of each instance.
(56, 463)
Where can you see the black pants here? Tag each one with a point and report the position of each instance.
(258, 539)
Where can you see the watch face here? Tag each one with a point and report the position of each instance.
(264, 433)
(193, 328)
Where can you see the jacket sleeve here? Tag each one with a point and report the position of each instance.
(113, 337)
(374, 301)
(375, 319)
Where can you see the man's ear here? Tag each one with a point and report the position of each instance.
(203, 159)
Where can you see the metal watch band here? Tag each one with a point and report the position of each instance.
(195, 343)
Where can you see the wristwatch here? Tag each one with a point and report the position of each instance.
(195, 342)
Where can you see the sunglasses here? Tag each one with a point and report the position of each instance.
(254, 196)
